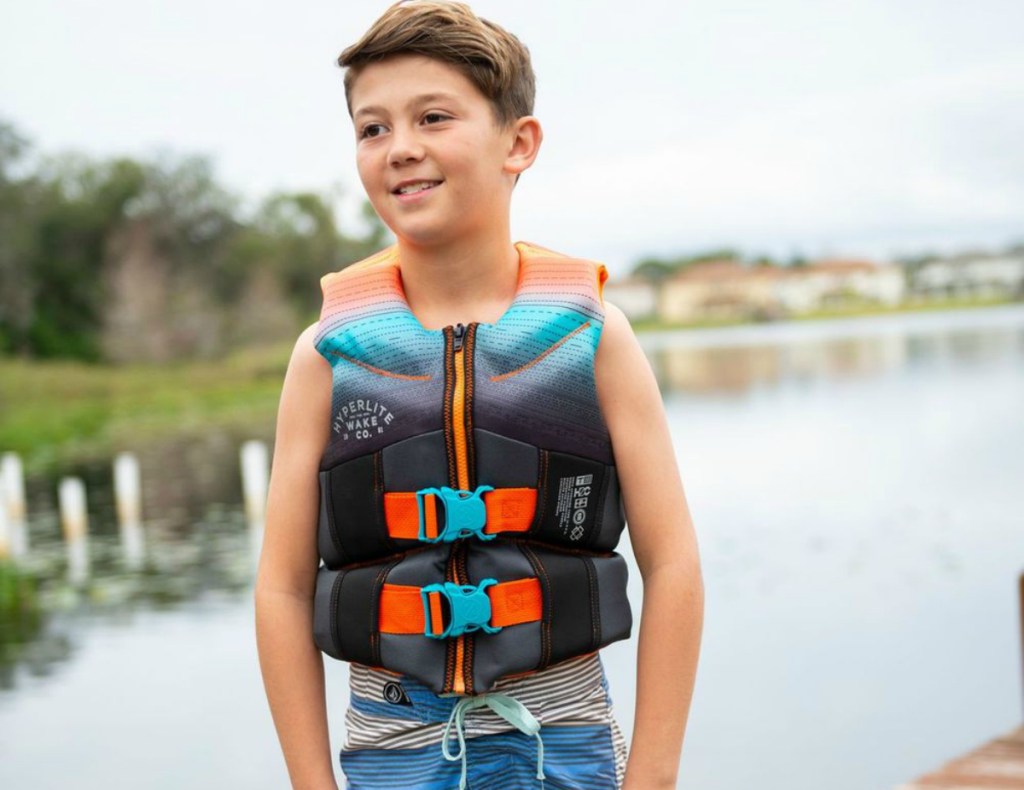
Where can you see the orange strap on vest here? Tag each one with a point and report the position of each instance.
(512, 603)
(508, 510)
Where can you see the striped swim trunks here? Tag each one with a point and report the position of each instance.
(395, 729)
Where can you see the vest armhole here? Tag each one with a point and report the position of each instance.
(602, 276)
(326, 285)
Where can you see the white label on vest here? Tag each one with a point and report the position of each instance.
(362, 418)
(571, 509)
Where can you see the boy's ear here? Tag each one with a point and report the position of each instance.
(525, 137)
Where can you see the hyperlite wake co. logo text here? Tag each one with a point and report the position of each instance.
(571, 509)
(362, 418)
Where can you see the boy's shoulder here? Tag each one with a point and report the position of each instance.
(622, 378)
(616, 324)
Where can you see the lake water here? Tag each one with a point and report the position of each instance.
(857, 491)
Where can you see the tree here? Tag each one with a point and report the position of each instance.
(120, 259)
(16, 240)
(653, 269)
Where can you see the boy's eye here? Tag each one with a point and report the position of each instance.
(438, 115)
(368, 130)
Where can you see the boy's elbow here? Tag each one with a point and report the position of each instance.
(680, 572)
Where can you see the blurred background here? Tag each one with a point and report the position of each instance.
(813, 216)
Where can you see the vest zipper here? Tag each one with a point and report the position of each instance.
(459, 408)
(461, 681)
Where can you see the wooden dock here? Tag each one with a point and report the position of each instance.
(997, 765)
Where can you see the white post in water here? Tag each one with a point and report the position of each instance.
(5, 530)
(254, 490)
(12, 494)
(71, 497)
(128, 497)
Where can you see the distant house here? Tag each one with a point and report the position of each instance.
(833, 282)
(970, 274)
(728, 289)
(635, 296)
(713, 289)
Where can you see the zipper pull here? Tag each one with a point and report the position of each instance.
(457, 335)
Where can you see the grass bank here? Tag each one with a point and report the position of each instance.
(58, 411)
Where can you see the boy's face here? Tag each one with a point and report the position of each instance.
(420, 120)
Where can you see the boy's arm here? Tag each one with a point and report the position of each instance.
(665, 546)
(291, 664)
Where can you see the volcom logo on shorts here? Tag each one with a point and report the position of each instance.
(571, 508)
(362, 418)
(395, 694)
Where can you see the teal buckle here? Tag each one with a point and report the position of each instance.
(468, 605)
(465, 513)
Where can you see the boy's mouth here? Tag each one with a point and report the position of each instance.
(412, 187)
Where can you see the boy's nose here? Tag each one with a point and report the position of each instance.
(404, 148)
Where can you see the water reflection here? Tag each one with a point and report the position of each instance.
(197, 541)
(739, 369)
(737, 361)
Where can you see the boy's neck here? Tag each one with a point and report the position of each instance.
(468, 281)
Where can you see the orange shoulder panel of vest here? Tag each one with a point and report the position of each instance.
(384, 256)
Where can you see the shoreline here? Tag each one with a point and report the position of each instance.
(834, 327)
(60, 412)
(866, 311)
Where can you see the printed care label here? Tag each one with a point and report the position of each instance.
(571, 509)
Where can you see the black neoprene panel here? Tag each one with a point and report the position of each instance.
(354, 613)
(571, 598)
(356, 512)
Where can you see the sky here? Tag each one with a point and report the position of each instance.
(779, 127)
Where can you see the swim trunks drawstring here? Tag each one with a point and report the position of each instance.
(510, 709)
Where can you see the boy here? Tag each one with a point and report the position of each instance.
(457, 357)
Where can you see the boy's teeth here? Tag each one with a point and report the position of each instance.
(417, 187)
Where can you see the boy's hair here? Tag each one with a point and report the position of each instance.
(493, 59)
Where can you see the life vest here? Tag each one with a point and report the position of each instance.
(469, 503)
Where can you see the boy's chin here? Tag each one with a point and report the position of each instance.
(424, 237)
